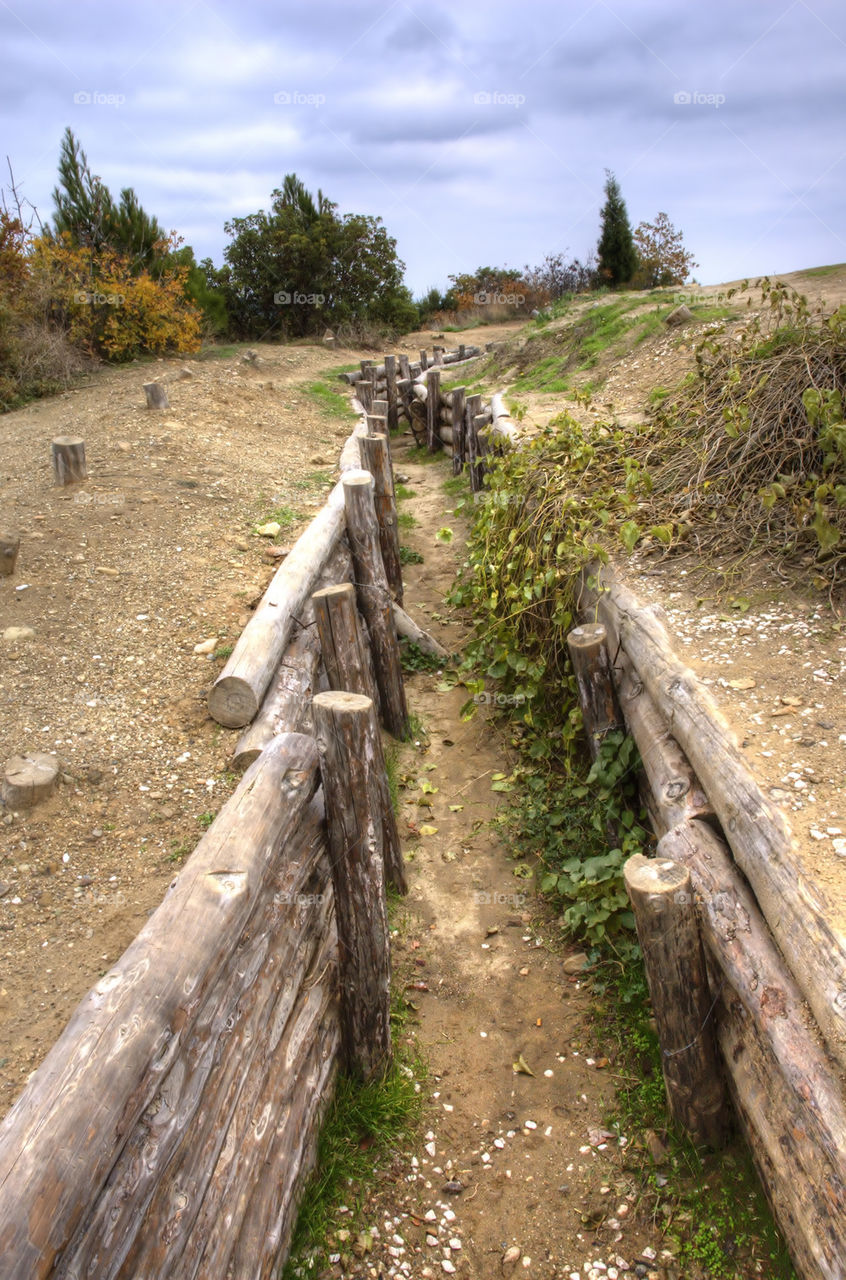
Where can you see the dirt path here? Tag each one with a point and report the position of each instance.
(518, 1172)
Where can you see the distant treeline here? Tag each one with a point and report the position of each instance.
(103, 280)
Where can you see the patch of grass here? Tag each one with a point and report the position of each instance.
(284, 515)
(455, 486)
(402, 493)
(406, 520)
(179, 851)
(408, 555)
(223, 651)
(418, 453)
(720, 1225)
(223, 352)
(830, 270)
(416, 659)
(206, 819)
(657, 394)
(324, 394)
(313, 480)
(364, 1126)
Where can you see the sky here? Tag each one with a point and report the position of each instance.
(480, 131)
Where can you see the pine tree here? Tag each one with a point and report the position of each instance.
(616, 253)
(86, 211)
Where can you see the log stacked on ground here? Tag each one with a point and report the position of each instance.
(237, 693)
(760, 838)
(786, 1088)
(140, 1146)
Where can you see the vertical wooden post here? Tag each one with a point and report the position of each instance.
(661, 895)
(376, 459)
(364, 365)
(592, 666)
(376, 424)
(373, 374)
(346, 732)
(10, 545)
(405, 369)
(462, 352)
(343, 648)
(424, 361)
(69, 460)
(374, 599)
(404, 396)
(458, 441)
(479, 467)
(156, 393)
(391, 392)
(472, 408)
(364, 392)
(433, 409)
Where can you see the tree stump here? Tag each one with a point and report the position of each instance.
(347, 738)
(27, 780)
(10, 545)
(376, 458)
(589, 656)
(661, 895)
(69, 460)
(374, 599)
(156, 393)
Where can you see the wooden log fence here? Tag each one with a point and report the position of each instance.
(169, 1131)
(773, 999)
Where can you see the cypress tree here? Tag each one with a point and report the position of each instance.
(616, 253)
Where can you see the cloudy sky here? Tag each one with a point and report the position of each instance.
(480, 131)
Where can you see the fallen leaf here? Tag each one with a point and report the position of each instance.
(456, 808)
(416, 986)
(426, 830)
(521, 1067)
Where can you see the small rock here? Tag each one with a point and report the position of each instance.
(4, 888)
(206, 646)
(511, 1256)
(106, 572)
(269, 530)
(13, 635)
(318, 461)
(656, 1147)
(679, 315)
(577, 963)
(453, 1187)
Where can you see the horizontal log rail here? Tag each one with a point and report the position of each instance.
(776, 963)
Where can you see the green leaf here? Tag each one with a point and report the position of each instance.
(629, 535)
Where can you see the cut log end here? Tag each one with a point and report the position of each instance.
(27, 780)
(232, 702)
